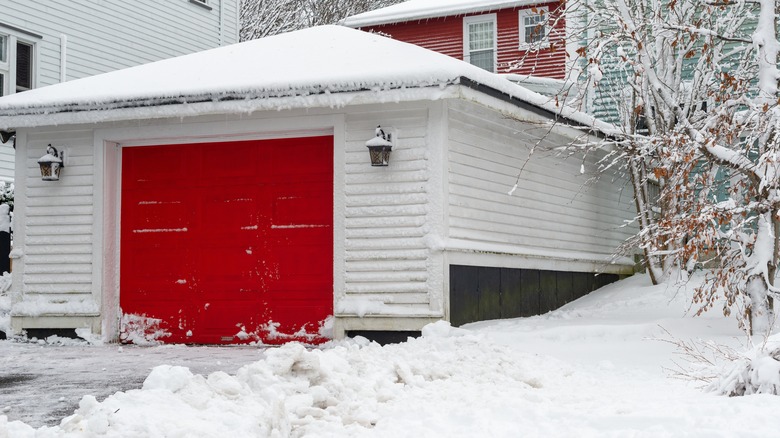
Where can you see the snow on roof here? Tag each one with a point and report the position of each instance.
(305, 68)
(422, 9)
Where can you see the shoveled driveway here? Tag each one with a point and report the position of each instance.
(40, 384)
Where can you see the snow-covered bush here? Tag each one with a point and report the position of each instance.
(757, 372)
(726, 371)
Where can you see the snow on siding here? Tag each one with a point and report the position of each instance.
(385, 218)
(552, 212)
(445, 35)
(57, 235)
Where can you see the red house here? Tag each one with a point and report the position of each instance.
(523, 37)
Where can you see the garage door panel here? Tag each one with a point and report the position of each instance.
(301, 212)
(307, 165)
(244, 236)
(306, 263)
(233, 163)
(161, 164)
(229, 209)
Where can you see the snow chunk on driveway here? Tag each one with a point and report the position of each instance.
(172, 378)
(442, 329)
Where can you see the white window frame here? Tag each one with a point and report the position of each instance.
(529, 12)
(8, 68)
(33, 63)
(474, 19)
(5, 66)
(201, 3)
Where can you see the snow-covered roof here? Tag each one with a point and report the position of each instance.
(423, 9)
(323, 66)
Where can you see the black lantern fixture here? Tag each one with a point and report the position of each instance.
(51, 164)
(379, 147)
(7, 135)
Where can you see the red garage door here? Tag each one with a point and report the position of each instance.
(227, 242)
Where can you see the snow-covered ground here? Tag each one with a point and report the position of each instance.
(591, 368)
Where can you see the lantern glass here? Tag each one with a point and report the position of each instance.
(50, 171)
(380, 155)
(51, 164)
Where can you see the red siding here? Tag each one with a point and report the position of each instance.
(445, 35)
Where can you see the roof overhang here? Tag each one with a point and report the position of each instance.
(398, 14)
(246, 103)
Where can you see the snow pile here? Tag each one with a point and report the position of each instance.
(593, 368)
(141, 330)
(756, 372)
(344, 390)
(5, 303)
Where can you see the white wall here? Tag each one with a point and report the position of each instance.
(383, 275)
(556, 218)
(390, 217)
(443, 199)
(54, 232)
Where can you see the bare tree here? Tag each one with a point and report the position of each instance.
(261, 18)
(693, 85)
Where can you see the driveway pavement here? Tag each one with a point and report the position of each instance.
(40, 384)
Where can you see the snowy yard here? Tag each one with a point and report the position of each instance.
(588, 369)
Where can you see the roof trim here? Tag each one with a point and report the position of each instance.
(356, 21)
(195, 105)
(193, 99)
(535, 109)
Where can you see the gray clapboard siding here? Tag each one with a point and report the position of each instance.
(102, 36)
(109, 35)
(386, 210)
(553, 209)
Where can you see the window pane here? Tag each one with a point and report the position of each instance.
(2, 85)
(535, 28)
(3, 48)
(483, 59)
(23, 67)
(481, 36)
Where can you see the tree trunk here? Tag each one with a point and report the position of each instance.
(644, 213)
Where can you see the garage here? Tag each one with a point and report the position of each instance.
(227, 242)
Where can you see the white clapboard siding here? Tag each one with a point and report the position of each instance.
(58, 223)
(553, 208)
(385, 213)
(6, 162)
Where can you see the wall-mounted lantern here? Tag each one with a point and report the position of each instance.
(379, 147)
(7, 135)
(51, 164)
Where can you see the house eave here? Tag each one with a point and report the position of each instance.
(247, 103)
(224, 103)
(429, 14)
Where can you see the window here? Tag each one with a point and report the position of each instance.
(3, 63)
(24, 79)
(202, 3)
(533, 28)
(479, 41)
(17, 63)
